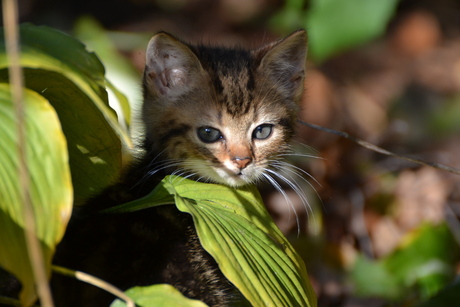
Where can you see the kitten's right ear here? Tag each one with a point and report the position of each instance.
(284, 62)
(171, 68)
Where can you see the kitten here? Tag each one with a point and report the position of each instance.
(214, 114)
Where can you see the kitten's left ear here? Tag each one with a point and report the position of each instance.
(284, 61)
(171, 68)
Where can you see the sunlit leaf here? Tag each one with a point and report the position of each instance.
(50, 185)
(235, 228)
(161, 295)
(60, 69)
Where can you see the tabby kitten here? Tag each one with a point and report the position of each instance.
(214, 114)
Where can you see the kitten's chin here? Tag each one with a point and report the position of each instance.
(231, 179)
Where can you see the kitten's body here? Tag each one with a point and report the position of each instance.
(214, 114)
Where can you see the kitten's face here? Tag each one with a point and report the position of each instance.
(223, 115)
(223, 148)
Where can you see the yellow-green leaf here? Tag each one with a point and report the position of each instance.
(236, 229)
(161, 295)
(50, 185)
(59, 68)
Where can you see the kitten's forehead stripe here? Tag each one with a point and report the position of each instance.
(233, 79)
(235, 95)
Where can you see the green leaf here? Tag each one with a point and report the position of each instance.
(422, 260)
(423, 264)
(60, 69)
(371, 278)
(335, 25)
(50, 185)
(236, 229)
(159, 296)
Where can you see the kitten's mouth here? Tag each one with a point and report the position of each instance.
(232, 178)
(224, 175)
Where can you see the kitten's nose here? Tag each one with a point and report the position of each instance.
(241, 162)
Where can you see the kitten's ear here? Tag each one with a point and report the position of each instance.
(284, 61)
(171, 68)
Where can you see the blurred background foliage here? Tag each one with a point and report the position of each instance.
(380, 231)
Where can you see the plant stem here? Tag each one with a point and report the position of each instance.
(95, 282)
(10, 17)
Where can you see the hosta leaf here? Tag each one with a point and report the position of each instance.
(158, 295)
(50, 185)
(60, 69)
(235, 228)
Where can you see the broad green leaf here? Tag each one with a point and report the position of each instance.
(50, 185)
(235, 228)
(423, 264)
(161, 295)
(49, 49)
(335, 25)
(60, 69)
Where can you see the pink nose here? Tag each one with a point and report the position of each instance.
(241, 162)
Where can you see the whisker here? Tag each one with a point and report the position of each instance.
(183, 173)
(160, 166)
(187, 176)
(280, 189)
(296, 188)
(299, 172)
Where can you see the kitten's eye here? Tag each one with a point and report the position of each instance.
(262, 132)
(208, 134)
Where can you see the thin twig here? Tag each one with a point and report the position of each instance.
(10, 17)
(95, 282)
(381, 150)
